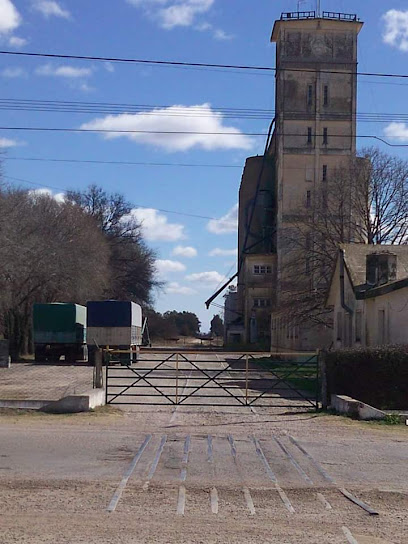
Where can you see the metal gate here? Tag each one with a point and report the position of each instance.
(216, 379)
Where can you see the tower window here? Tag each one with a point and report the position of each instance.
(309, 135)
(324, 175)
(326, 95)
(325, 136)
(308, 199)
(309, 95)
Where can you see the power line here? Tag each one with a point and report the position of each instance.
(125, 163)
(193, 132)
(177, 111)
(42, 185)
(193, 64)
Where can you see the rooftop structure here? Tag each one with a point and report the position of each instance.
(302, 15)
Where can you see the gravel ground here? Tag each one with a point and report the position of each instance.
(200, 475)
(44, 382)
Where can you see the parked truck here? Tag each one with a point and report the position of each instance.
(60, 330)
(114, 324)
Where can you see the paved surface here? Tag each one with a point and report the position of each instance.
(158, 474)
(44, 382)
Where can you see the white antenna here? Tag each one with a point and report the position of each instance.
(318, 8)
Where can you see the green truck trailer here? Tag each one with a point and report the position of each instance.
(59, 330)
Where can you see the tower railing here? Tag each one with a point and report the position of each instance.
(333, 15)
(298, 15)
(339, 16)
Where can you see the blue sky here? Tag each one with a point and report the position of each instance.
(194, 253)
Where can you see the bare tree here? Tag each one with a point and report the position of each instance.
(363, 201)
(51, 251)
(132, 263)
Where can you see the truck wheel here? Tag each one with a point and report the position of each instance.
(40, 354)
(70, 355)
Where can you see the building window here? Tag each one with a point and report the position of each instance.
(324, 175)
(359, 325)
(308, 199)
(262, 269)
(309, 95)
(309, 135)
(339, 326)
(326, 95)
(325, 136)
(262, 302)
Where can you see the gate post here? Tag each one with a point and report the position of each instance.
(246, 379)
(177, 370)
(322, 369)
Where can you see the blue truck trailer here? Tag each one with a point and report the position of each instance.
(115, 324)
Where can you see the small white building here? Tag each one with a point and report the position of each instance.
(369, 295)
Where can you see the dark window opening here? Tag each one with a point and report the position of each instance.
(309, 135)
(324, 172)
(326, 95)
(325, 136)
(309, 95)
(308, 199)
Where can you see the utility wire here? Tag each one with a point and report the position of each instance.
(178, 111)
(61, 189)
(193, 64)
(125, 163)
(194, 132)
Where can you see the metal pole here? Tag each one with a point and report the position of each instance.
(318, 8)
(177, 369)
(246, 379)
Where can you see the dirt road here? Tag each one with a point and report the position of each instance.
(158, 474)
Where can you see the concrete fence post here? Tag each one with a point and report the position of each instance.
(98, 374)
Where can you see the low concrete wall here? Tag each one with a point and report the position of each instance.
(77, 403)
(347, 405)
(67, 405)
(24, 404)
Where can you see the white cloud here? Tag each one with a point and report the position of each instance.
(173, 13)
(6, 142)
(50, 8)
(217, 252)
(227, 224)
(177, 289)
(221, 35)
(63, 71)
(166, 266)
(396, 29)
(13, 72)
(59, 197)
(155, 225)
(183, 128)
(15, 41)
(184, 251)
(206, 278)
(397, 131)
(109, 67)
(10, 18)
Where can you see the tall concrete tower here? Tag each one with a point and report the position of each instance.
(315, 132)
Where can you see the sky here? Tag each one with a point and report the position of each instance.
(183, 187)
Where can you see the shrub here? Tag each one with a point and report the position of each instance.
(377, 376)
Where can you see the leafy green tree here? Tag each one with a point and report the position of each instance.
(217, 326)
